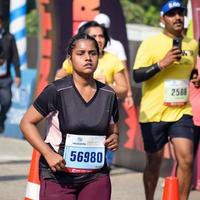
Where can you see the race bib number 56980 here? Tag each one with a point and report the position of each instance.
(84, 152)
(86, 156)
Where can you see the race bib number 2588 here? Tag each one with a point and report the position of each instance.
(176, 92)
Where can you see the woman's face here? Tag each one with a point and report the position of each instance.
(97, 33)
(84, 57)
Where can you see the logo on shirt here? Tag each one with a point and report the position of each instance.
(187, 53)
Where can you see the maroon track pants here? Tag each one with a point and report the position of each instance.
(97, 189)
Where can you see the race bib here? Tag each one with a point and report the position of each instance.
(3, 69)
(176, 92)
(84, 153)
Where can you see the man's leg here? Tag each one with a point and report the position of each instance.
(5, 99)
(183, 148)
(151, 173)
(155, 136)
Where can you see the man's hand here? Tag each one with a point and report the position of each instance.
(173, 55)
(17, 81)
(2, 61)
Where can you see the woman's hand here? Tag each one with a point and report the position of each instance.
(128, 101)
(55, 161)
(196, 81)
(195, 78)
(112, 142)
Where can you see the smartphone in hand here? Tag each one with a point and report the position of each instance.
(177, 42)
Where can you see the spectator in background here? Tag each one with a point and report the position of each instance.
(165, 111)
(195, 102)
(117, 48)
(8, 55)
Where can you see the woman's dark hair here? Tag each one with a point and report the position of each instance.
(77, 37)
(89, 24)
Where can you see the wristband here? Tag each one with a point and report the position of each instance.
(158, 64)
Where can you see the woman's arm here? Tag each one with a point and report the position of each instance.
(28, 127)
(112, 141)
(128, 100)
(120, 85)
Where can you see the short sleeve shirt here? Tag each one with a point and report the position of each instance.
(108, 66)
(117, 48)
(151, 51)
(76, 116)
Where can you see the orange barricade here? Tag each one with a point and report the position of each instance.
(171, 188)
(33, 185)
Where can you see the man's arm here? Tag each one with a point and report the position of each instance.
(144, 73)
(15, 61)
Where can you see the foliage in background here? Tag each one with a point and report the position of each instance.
(135, 11)
(32, 18)
(32, 22)
(143, 11)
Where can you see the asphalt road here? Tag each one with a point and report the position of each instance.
(15, 158)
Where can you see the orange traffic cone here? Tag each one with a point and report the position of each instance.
(33, 185)
(171, 189)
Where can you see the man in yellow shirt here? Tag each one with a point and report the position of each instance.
(165, 113)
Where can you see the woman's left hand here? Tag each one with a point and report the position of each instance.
(128, 102)
(112, 142)
(196, 81)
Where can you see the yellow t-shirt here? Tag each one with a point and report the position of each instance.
(108, 66)
(151, 51)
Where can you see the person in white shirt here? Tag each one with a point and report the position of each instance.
(117, 48)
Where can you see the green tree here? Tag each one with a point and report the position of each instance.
(143, 11)
(134, 12)
(151, 16)
(32, 18)
(32, 22)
